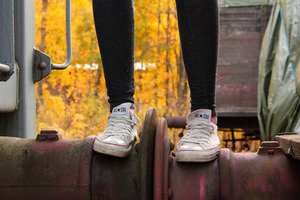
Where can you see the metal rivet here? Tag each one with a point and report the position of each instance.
(42, 65)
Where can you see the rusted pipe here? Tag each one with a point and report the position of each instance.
(53, 168)
(114, 178)
(45, 168)
(176, 122)
(267, 174)
(161, 161)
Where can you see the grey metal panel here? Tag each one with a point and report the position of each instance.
(6, 39)
(9, 93)
(21, 123)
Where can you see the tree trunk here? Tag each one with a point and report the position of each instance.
(167, 59)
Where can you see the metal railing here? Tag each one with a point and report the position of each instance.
(68, 39)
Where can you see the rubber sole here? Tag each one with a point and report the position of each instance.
(197, 156)
(112, 150)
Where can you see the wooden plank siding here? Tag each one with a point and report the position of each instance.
(241, 32)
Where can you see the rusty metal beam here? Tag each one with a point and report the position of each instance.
(47, 169)
(247, 122)
(53, 168)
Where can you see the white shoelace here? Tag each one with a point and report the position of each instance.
(120, 125)
(198, 132)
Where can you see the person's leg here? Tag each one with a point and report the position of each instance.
(198, 22)
(114, 22)
(198, 25)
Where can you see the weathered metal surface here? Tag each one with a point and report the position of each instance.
(161, 161)
(53, 168)
(239, 48)
(176, 122)
(127, 178)
(146, 155)
(224, 121)
(113, 177)
(290, 144)
(32, 169)
(49, 135)
(190, 180)
(267, 174)
(194, 180)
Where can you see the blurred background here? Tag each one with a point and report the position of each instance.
(74, 100)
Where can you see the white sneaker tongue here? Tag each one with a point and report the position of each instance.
(122, 109)
(202, 114)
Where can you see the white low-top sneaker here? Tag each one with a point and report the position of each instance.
(120, 134)
(201, 142)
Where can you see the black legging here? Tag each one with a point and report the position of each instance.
(198, 22)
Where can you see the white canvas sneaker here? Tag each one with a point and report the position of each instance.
(120, 134)
(201, 142)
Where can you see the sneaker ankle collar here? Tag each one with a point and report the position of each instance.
(200, 114)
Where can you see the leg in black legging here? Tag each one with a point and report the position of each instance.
(114, 22)
(199, 29)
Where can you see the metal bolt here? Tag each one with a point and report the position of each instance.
(42, 65)
(49, 132)
(48, 135)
